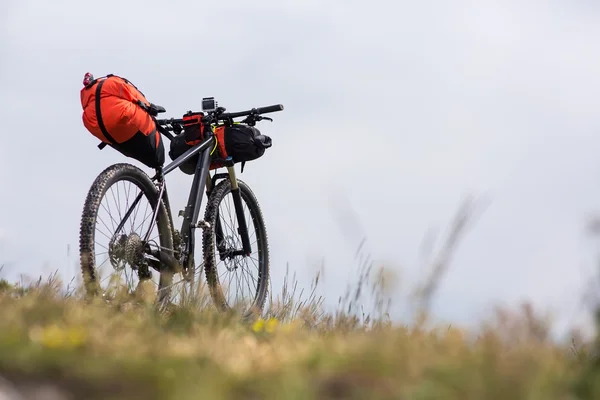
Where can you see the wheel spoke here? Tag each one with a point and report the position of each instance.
(113, 222)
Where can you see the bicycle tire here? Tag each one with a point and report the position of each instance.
(208, 246)
(102, 183)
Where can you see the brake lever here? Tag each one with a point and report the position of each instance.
(260, 118)
(253, 118)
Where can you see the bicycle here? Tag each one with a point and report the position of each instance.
(175, 251)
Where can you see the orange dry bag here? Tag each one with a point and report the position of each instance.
(117, 113)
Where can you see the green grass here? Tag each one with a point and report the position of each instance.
(126, 349)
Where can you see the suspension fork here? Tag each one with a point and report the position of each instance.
(218, 229)
(239, 211)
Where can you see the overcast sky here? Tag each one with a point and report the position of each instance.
(396, 109)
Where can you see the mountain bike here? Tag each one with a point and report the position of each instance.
(161, 247)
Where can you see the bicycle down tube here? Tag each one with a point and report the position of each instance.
(192, 209)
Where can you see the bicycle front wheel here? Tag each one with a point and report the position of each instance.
(235, 281)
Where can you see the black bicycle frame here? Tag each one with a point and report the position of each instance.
(192, 210)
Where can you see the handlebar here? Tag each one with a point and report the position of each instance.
(219, 115)
(259, 110)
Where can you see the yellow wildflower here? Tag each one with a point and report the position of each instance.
(271, 325)
(258, 325)
(268, 326)
(54, 336)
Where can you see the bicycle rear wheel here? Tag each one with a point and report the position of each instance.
(124, 249)
(236, 271)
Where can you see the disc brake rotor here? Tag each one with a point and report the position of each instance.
(116, 252)
(231, 263)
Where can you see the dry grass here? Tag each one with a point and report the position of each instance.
(126, 349)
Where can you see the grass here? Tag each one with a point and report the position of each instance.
(126, 349)
(60, 341)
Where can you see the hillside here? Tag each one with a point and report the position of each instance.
(73, 348)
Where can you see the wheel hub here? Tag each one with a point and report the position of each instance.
(231, 263)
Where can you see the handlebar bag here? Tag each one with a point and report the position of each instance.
(116, 112)
(245, 143)
(240, 142)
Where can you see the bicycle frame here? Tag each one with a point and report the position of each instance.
(201, 181)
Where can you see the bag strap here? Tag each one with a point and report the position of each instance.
(92, 82)
(139, 102)
(99, 116)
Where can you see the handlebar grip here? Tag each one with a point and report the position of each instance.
(270, 109)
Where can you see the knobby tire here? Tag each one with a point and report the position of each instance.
(208, 243)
